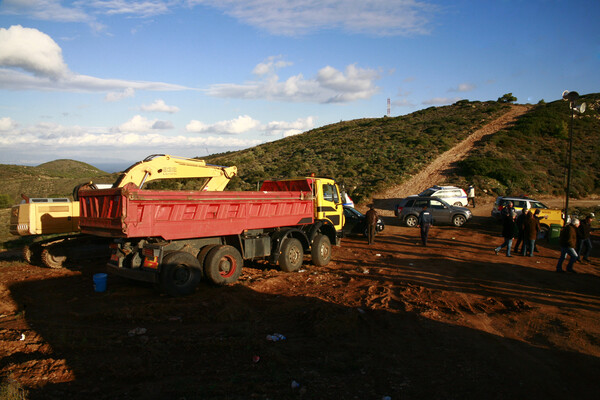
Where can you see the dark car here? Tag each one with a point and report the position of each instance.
(356, 222)
(443, 213)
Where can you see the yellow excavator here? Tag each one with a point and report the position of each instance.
(51, 216)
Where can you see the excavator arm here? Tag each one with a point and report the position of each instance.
(163, 166)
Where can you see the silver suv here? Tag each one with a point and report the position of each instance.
(450, 194)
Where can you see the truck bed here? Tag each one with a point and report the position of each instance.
(130, 212)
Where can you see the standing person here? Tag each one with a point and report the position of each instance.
(585, 244)
(508, 209)
(521, 229)
(531, 228)
(371, 224)
(471, 195)
(509, 231)
(425, 221)
(568, 240)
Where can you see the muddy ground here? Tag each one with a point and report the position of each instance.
(450, 321)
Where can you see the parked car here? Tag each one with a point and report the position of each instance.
(356, 222)
(450, 194)
(443, 213)
(521, 204)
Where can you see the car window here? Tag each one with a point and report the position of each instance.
(436, 204)
(420, 203)
(537, 204)
(427, 192)
(519, 203)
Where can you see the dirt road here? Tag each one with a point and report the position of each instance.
(394, 319)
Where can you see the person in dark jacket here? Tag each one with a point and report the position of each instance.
(509, 231)
(568, 241)
(519, 221)
(371, 224)
(531, 228)
(585, 241)
(425, 222)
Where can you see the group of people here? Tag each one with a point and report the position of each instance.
(525, 227)
(574, 239)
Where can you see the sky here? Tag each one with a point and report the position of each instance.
(109, 82)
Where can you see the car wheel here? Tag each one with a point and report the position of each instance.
(411, 221)
(459, 220)
(458, 204)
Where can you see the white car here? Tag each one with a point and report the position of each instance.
(450, 194)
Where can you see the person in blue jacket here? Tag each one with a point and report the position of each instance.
(425, 221)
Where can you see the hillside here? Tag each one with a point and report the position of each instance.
(371, 155)
(52, 179)
(365, 154)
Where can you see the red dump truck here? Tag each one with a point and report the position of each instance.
(177, 238)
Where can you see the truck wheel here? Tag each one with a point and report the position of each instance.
(320, 251)
(180, 273)
(203, 253)
(52, 260)
(292, 255)
(411, 221)
(32, 253)
(459, 220)
(223, 265)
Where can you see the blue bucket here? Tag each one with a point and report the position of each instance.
(100, 282)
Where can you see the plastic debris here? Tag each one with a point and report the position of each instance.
(22, 337)
(388, 397)
(360, 310)
(255, 359)
(377, 255)
(137, 332)
(295, 385)
(275, 337)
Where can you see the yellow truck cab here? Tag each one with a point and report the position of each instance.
(329, 209)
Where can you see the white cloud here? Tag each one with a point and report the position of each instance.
(117, 96)
(438, 101)
(31, 60)
(32, 51)
(463, 87)
(290, 17)
(236, 126)
(329, 86)
(89, 140)
(159, 106)
(143, 124)
(6, 124)
(142, 9)
(285, 128)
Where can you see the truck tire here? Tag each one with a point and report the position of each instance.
(51, 259)
(320, 251)
(291, 256)
(203, 253)
(32, 253)
(223, 265)
(180, 273)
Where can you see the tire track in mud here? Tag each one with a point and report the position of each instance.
(438, 168)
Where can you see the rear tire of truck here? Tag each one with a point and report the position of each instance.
(291, 256)
(180, 274)
(223, 265)
(321, 250)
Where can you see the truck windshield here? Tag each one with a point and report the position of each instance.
(330, 193)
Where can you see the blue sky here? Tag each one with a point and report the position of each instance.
(112, 81)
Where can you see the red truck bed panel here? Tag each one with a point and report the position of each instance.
(131, 212)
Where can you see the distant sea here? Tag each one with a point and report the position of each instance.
(112, 167)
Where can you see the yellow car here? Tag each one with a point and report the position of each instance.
(548, 216)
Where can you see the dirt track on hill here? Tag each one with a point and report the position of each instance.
(395, 319)
(436, 172)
